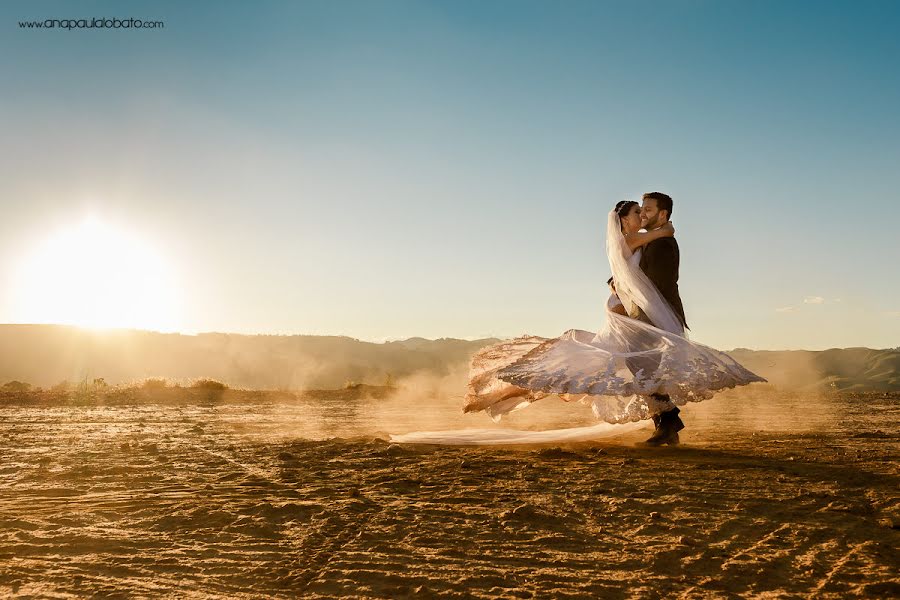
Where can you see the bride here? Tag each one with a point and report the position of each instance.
(624, 371)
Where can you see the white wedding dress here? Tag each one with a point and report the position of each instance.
(614, 371)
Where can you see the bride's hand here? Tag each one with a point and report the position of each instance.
(668, 229)
(641, 238)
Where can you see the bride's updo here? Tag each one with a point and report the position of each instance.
(623, 206)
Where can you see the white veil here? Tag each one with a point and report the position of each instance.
(633, 287)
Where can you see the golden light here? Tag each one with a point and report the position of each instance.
(95, 275)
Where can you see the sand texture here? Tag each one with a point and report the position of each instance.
(784, 496)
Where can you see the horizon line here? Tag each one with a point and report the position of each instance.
(380, 341)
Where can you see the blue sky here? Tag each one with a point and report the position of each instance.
(444, 169)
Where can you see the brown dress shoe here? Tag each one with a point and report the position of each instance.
(668, 424)
(662, 436)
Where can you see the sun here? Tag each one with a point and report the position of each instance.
(95, 275)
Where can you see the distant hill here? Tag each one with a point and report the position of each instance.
(44, 355)
(847, 369)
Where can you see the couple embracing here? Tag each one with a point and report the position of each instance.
(640, 365)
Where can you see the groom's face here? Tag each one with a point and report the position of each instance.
(650, 217)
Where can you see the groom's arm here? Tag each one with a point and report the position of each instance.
(661, 266)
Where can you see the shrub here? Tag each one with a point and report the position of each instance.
(154, 383)
(209, 384)
(62, 386)
(16, 386)
(88, 389)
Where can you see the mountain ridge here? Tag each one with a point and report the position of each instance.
(45, 355)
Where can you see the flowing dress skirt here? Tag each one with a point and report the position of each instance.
(614, 371)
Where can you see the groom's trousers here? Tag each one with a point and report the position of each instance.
(657, 403)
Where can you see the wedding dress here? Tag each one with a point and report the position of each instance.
(615, 370)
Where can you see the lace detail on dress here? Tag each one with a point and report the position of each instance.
(488, 393)
(614, 372)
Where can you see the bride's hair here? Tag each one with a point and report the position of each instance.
(623, 206)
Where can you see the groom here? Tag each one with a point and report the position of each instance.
(659, 262)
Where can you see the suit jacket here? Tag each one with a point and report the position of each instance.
(659, 261)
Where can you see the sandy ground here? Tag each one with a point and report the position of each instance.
(768, 496)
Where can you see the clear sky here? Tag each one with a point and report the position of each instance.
(386, 169)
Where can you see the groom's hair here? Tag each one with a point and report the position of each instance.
(663, 202)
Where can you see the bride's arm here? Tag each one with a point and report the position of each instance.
(614, 304)
(636, 240)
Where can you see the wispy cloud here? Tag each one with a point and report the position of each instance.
(806, 300)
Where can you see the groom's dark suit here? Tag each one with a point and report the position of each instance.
(659, 261)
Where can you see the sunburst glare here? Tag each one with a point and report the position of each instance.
(94, 274)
